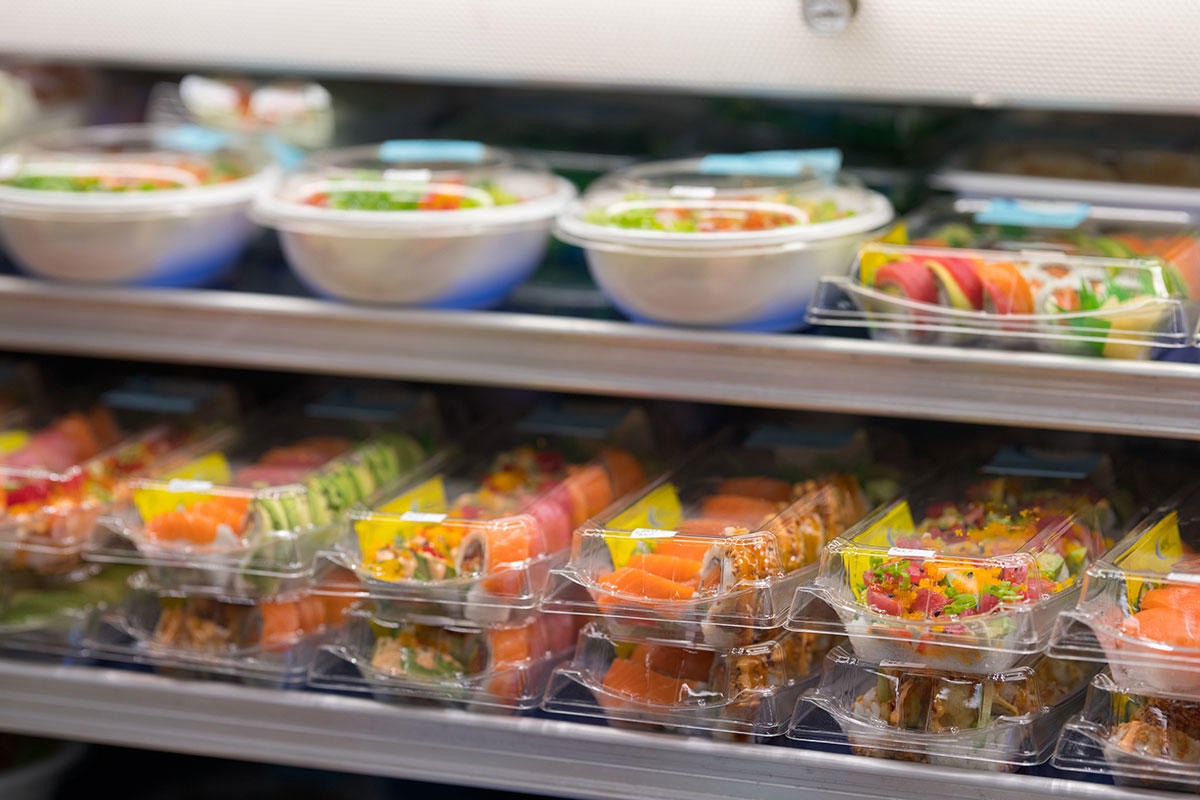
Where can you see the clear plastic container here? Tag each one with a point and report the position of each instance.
(1110, 174)
(967, 572)
(1030, 300)
(496, 667)
(722, 241)
(713, 551)
(747, 691)
(259, 641)
(417, 223)
(64, 471)
(1139, 608)
(1137, 740)
(996, 722)
(244, 512)
(129, 204)
(50, 615)
(473, 539)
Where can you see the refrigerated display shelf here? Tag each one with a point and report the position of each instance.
(1134, 56)
(545, 756)
(243, 329)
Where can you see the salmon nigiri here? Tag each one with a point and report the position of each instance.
(1169, 626)
(745, 510)
(684, 663)
(639, 583)
(1182, 598)
(633, 680)
(674, 568)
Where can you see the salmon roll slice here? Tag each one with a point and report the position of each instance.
(624, 470)
(770, 489)
(693, 666)
(499, 551)
(555, 521)
(674, 568)
(281, 625)
(590, 491)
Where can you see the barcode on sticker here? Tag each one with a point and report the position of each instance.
(421, 516)
(184, 485)
(652, 533)
(910, 552)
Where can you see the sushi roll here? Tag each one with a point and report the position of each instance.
(497, 552)
(1005, 289)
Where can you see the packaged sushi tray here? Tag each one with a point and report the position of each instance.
(266, 641)
(496, 667)
(50, 614)
(244, 511)
(1139, 608)
(968, 571)
(62, 473)
(1110, 173)
(1149, 741)
(713, 551)
(727, 241)
(129, 204)
(1063, 278)
(999, 721)
(740, 692)
(472, 539)
(444, 224)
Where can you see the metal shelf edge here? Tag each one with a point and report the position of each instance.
(546, 756)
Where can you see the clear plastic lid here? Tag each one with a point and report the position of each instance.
(768, 199)
(1085, 161)
(448, 188)
(473, 539)
(714, 550)
(968, 571)
(1139, 608)
(998, 721)
(1066, 228)
(49, 614)
(497, 666)
(244, 512)
(267, 640)
(296, 111)
(61, 474)
(142, 170)
(747, 690)
(1138, 740)
(1116, 308)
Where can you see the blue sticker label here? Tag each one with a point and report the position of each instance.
(774, 163)
(589, 423)
(399, 150)
(1034, 214)
(768, 437)
(1019, 461)
(286, 155)
(161, 395)
(193, 139)
(358, 404)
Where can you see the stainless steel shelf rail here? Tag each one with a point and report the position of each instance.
(539, 352)
(237, 329)
(523, 754)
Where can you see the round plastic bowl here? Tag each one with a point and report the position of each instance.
(185, 235)
(448, 227)
(738, 278)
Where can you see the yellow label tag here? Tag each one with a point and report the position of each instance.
(872, 544)
(424, 502)
(1157, 550)
(184, 485)
(12, 440)
(660, 511)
